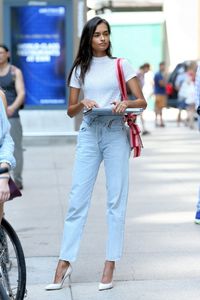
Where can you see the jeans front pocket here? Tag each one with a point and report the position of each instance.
(84, 127)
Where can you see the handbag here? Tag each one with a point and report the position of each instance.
(130, 119)
(14, 191)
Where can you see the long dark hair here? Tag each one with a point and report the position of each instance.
(84, 55)
(5, 48)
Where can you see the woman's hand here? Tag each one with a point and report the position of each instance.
(88, 104)
(4, 190)
(119, 106)
(10, 111)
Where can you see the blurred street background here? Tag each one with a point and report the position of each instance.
(162, 243)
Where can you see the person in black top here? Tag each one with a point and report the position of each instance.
(12, 83)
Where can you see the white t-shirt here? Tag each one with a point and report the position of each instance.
(101, 84)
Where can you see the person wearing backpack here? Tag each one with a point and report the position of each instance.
(179, 84)
(12, 83)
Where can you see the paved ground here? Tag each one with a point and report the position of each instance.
(162, 244)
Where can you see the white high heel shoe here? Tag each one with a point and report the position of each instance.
(105, 286)
(58, 286)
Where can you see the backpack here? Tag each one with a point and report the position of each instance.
(171, 90)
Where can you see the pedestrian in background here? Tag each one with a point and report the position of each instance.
(186, 94)
(100, 138)
(11, 81)
(148, 87)
(7, 160)
(181, 105)
(190, 98)
(141, 76)
(160, 94)
(197, 102)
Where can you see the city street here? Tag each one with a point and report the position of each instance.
(162, 244)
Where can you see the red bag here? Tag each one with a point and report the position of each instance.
(169, 89)
(130, 119)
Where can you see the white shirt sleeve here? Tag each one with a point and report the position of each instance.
(128, 70)
(197, 87)
(75, 80)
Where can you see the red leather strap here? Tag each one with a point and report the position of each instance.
(121, 79)
(135, 139)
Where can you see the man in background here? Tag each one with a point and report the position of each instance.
(143, 70)
(160, 82)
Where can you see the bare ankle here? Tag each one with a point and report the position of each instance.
(109, 264)
(63, 263)
(62, 266)
(108, 271)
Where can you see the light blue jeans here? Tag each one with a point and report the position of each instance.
(100, 138)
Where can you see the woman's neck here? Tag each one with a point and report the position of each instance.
(99, 54)
(4, 67)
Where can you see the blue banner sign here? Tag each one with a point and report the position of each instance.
(38, 49)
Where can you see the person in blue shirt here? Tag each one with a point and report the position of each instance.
(7, 159)
(160, 94)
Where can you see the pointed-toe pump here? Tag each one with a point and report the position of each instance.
(58, 286)
(105, 286)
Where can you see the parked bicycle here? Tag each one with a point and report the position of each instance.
(12, 264)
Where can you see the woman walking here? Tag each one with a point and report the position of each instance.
(100, 138)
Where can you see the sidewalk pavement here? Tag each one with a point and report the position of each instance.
(162, 244)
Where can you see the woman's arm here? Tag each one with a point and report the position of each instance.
(20, 90)
(75, 106)
(6, 154)
(139, 102)
(3, 97)
(136, 90)
(7, 147)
